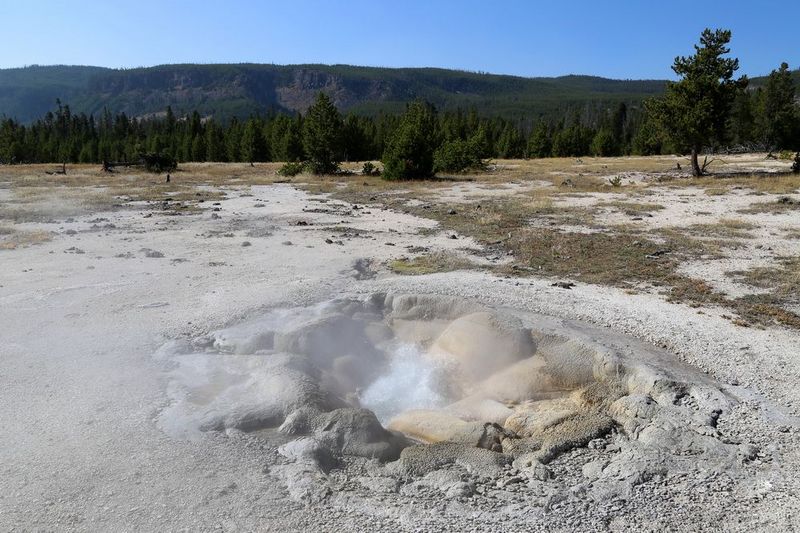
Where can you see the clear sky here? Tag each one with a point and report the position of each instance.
(630, 39)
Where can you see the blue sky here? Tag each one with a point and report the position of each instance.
(633, 39)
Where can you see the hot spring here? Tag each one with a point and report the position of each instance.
(382, 376)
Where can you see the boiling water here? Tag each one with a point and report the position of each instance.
(409, 383)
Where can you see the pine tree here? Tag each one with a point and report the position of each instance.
(322, 136)
(198, 148)
(215, 145)
(233, 141)
(510, 145)
(649, 138)
(603, 143)
(742, 123)
(170, 120)
(355, 140)
(619, 122)
(253, 145)
(539, 143)
(780, 115)
(694, 111)
(409, 151)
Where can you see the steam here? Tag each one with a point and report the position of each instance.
(409, 383)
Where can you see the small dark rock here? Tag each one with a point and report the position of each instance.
(657, 254)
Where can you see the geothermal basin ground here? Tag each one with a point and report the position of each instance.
(532, 348)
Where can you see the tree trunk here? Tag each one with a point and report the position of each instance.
(696, 170)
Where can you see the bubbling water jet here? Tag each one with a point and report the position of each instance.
(410, 382)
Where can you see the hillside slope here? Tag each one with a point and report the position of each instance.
(225, 90)
(242, 89)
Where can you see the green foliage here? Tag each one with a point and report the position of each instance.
(620, 130)
(409, 152)
(358, 138)
(215, 142)
(780, 114)
(480, 138)
(573, 141)
(615, 181)
(286, 136)
(603, 143)
(233, 141)
(291, 169)
(253, 145)
(540, 144)
(458, 155)
(322, 136)
(648, 139)
(694, 111)
(511, 144)
(743, 119)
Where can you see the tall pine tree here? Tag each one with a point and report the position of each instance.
(780, 115)
(322, 136)
(694, 111)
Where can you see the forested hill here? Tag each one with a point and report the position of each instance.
(240, 90)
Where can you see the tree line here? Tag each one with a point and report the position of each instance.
(63, 136)
(705, 110)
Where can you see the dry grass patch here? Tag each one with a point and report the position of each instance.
(631, 208)
(783, 284)
(777, 183)
(217, 174)
(430, 264)
(11, 239)
(695, 245)
(37, 204)
(617, 259)
(784, 204)
(783, 280)
(39, 196)
(725, 228)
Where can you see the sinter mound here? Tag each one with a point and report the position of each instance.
(425, 382)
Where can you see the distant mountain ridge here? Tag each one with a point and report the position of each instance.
(225, 90)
